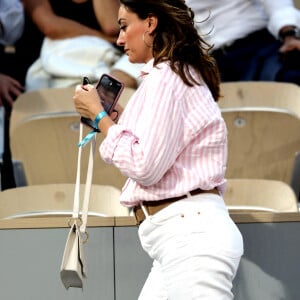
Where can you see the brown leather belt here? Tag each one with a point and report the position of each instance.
(153, 207)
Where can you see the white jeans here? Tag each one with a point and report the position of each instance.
(196, 249)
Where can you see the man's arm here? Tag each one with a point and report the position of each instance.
(56, 27)
(11, 21)
(106, 12)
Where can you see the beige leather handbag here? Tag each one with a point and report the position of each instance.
(73, 266)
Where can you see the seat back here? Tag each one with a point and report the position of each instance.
(267, 94)
(47, 146)
(44, 135)
(297, 3)
(57, 199)
(260, 195)
(263, 129)
(262, 143)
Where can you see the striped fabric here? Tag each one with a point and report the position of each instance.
(170, 139)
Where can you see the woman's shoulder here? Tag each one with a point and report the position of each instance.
(164, 71)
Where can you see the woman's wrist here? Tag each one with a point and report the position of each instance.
(99, 117)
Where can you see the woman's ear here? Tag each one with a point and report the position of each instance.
(152, 23)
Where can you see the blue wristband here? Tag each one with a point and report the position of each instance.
(99, 117)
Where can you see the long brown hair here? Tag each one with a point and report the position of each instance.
(176, 40)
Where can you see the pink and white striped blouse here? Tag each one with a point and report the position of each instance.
(170, 139)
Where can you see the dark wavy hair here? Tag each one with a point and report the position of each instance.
(176, 40)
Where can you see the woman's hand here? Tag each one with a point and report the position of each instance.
(116, 113)
(86, 101)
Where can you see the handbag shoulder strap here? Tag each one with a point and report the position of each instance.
(88, 184)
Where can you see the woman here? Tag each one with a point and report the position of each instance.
(171, 142)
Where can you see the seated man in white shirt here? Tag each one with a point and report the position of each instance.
(252, 40)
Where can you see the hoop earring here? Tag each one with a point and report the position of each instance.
(143, 37)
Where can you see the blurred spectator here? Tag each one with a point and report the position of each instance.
(10, 89)
(11, 21)
(11, 28)
(253, 40)
(76, 38)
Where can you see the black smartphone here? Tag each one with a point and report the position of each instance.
(109, 90)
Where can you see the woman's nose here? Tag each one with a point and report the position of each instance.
(120, 40)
